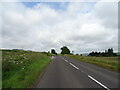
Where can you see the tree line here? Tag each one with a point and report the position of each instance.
(107, 53)
(64, 50)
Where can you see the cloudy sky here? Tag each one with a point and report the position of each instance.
(42, 26)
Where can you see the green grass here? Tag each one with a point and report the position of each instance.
(0, 69)
(110, 63)
(21, 69)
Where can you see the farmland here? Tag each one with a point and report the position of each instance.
(20, 69)
(110, 63)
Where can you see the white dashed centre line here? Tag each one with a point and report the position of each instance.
(89, 76)
(66, 60)
(74, 66)
(98, 82)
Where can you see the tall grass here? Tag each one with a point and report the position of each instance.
(110, 63)
(20, 69)
(0, 69)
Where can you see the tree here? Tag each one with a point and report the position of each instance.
(92, 53)
(53, 51)
(110, 52)
(107, 53)
(65, 50)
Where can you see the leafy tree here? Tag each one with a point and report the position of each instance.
(53, 51)
(65, 50)
(110, 52)
(107, 53)
(92, 53)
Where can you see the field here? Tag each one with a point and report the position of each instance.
(110, 63)
(0, 69)
(20, 69)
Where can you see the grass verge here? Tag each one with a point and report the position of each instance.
(0, 70)
(110, 63)
(20, 69)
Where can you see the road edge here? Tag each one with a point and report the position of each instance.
(41, 75)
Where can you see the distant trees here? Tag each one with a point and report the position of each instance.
(107, 53)
(53, 51)
(65, 50)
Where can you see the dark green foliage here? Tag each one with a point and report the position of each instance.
(65, 50)
(53, 51)
(107, 53)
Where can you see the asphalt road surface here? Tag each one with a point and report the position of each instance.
(64, 72)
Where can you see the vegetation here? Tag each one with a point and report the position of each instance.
(0, 69)
(107, 53)
(110, 63)
(53, 51)
(48, 53)
(20, 69)
(65, 50)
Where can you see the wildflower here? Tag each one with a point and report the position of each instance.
(25, 57)
(13, 61)
(23, 67)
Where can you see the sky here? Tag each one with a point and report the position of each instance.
(42, 26)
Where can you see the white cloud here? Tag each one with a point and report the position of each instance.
(42, 27)
(108, 13)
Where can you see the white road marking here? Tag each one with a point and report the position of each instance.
(89, 76)
(52, 57)
(74, 66)
(98, 82)
(66, 60)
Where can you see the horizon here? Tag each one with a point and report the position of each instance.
(55, 50)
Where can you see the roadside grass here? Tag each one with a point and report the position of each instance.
(110, 63)
(21, 69)
(0, 70)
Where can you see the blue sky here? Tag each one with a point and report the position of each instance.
(54, 5)
(29, 4)
(87, 6)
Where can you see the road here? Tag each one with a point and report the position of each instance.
(64, 72)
